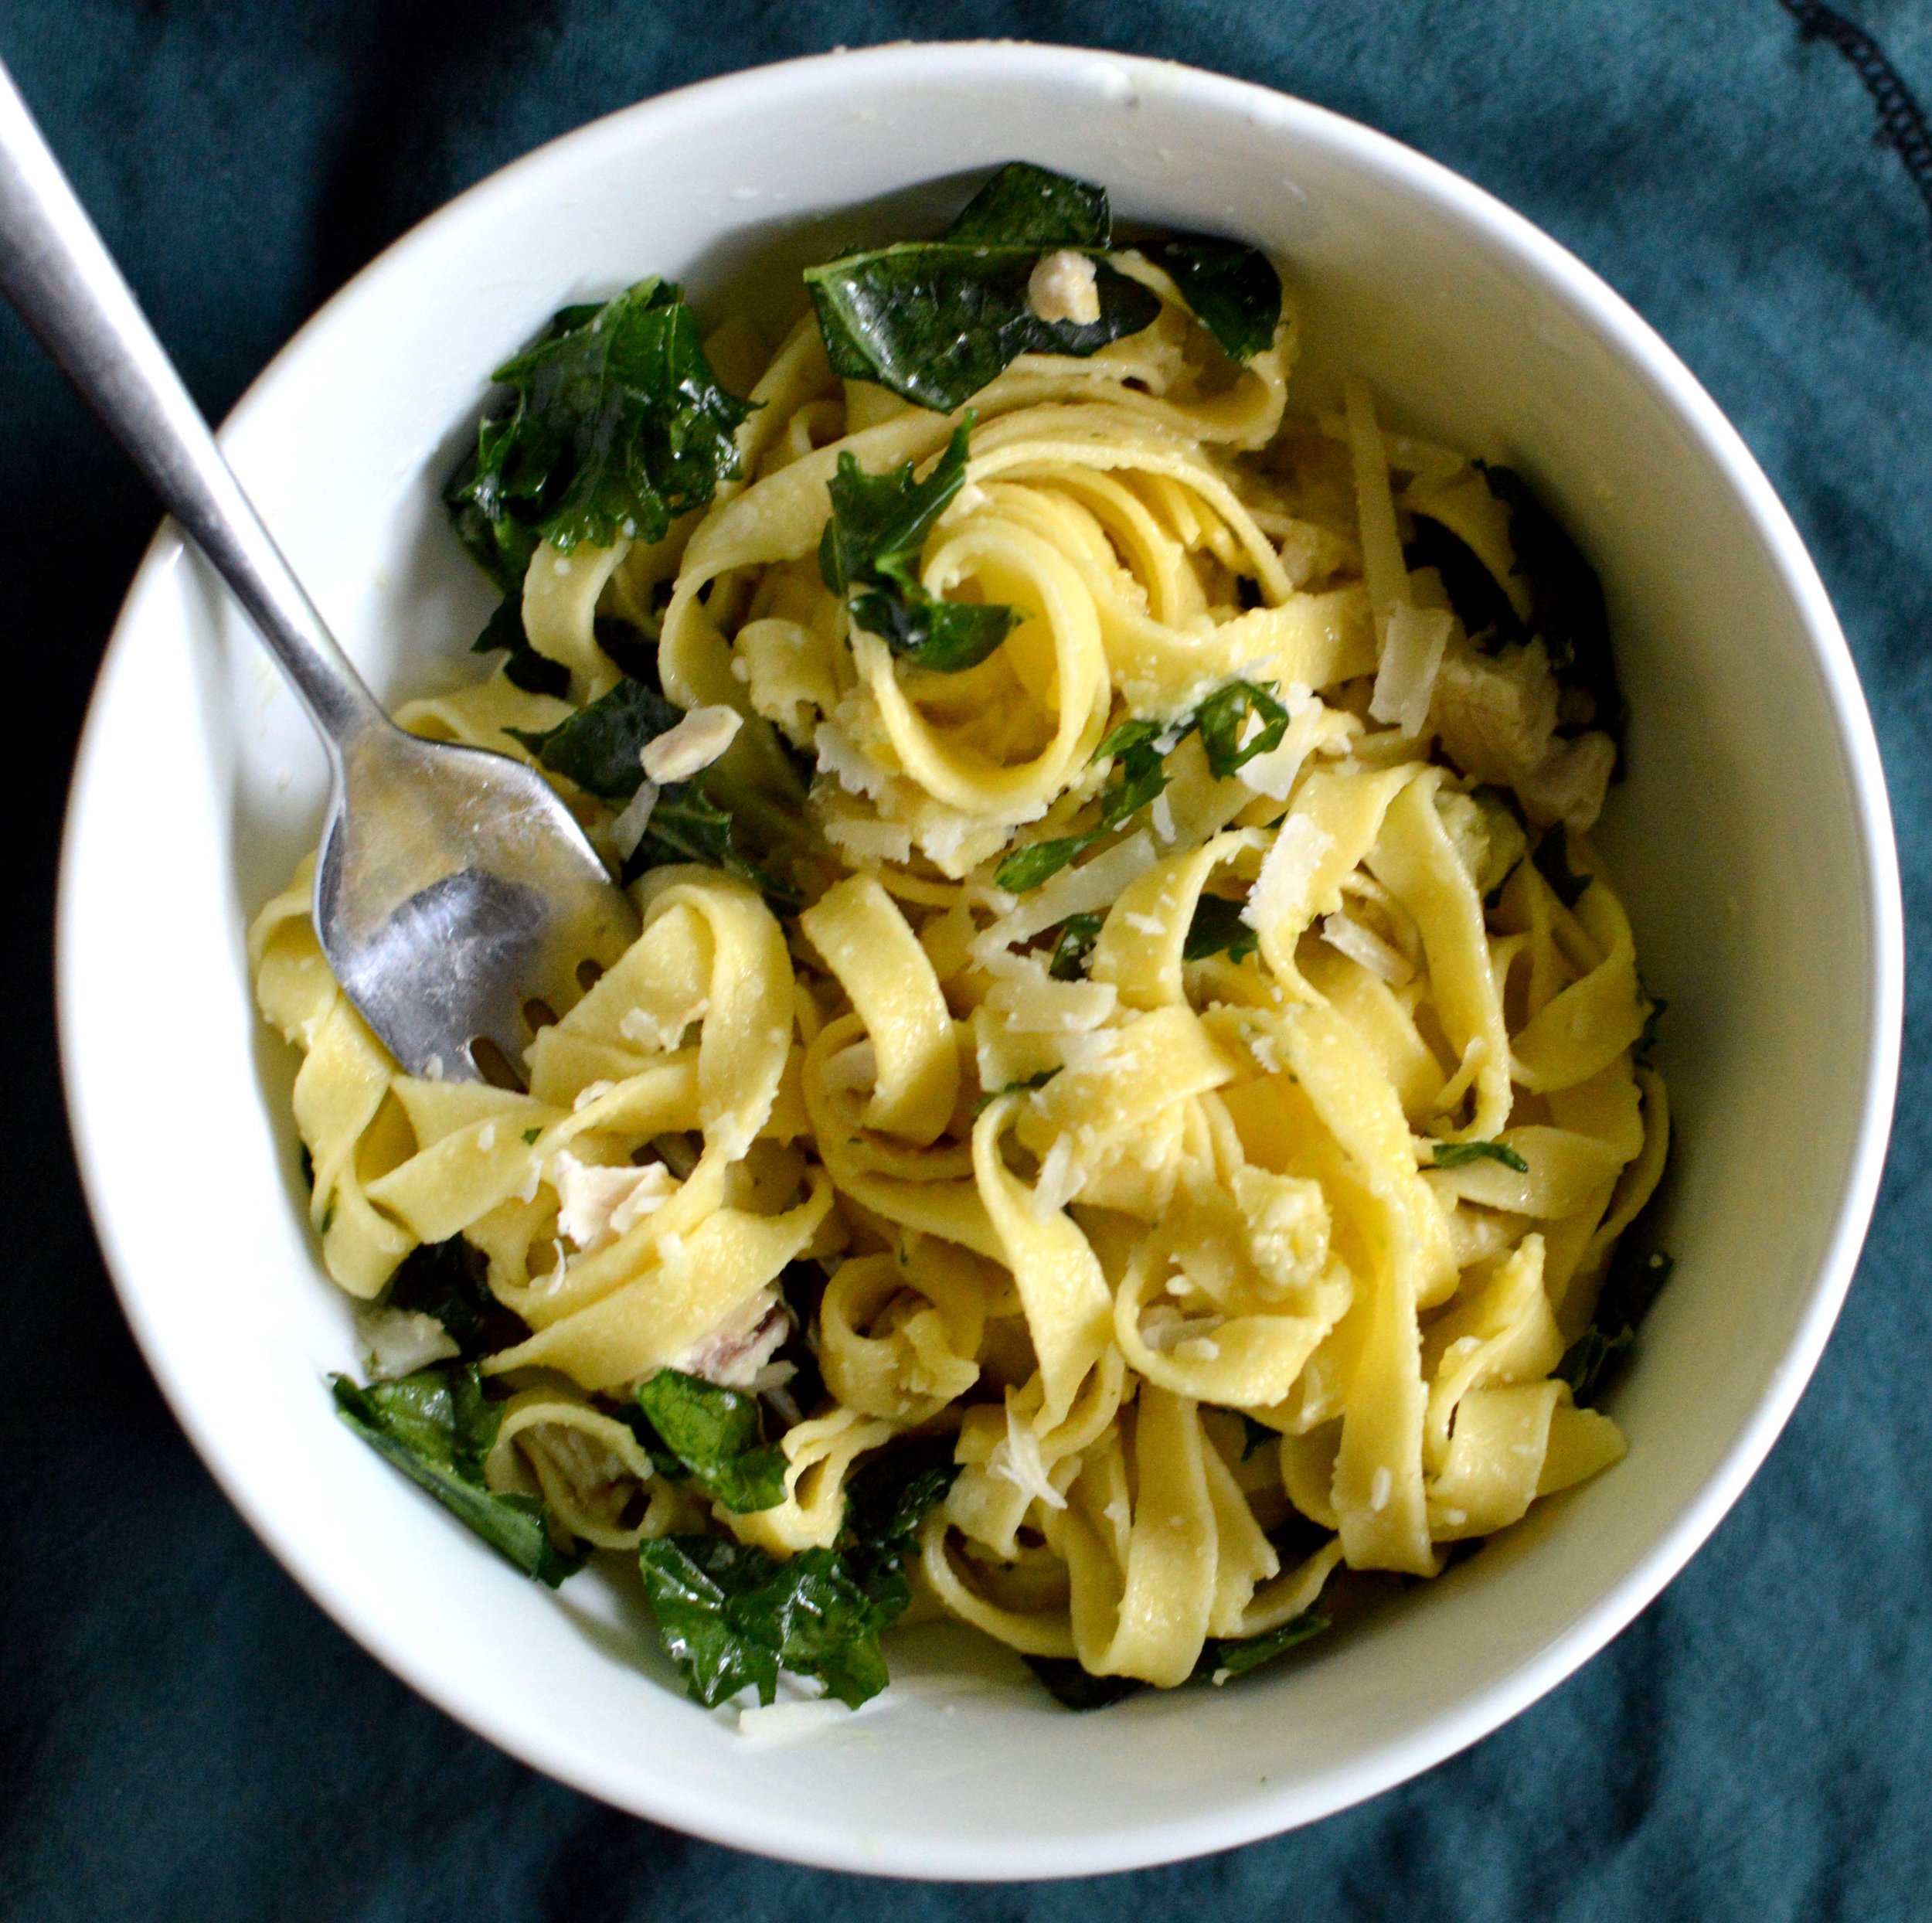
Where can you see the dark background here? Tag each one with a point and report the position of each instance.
(183, 1735)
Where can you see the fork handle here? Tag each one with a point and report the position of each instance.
(57, 271)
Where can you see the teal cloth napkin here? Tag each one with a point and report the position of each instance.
(183, 1734)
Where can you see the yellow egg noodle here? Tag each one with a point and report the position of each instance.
(1178, 1253)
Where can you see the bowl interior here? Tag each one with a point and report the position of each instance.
(1750, 841)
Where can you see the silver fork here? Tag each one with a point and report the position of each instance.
(455, 888)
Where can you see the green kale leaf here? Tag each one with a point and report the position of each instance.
(1459, 1155)
(446, 1280)
(1552, 861)
(618, 426)
(870, 553)
(1217, 928)
(992, 1095)
(1024, 205)
(525, 668)
(935, 320)
(438, 1428)
(1234, 289)
(1139, 775)
(688, 825)
(1071, 947)
(1222, 717)
(731, 1616)
(1593, 1361)
(1139, 749)
(599, 746)
(718, 1436)
(1235, 1655)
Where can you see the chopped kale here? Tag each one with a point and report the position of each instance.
(935, 321)
(599, 746)
(1222, 717)
(1235, 1655)
(870, 553)
(688, 825)
(618, 425)
(1024, 205)
(887, 1501)
(732, 1616)
(1072, 945)
(446, 1280)
(717, 1434)
(534, 673)
(1256, 1435)
(1593, 1361)
(1552, 860)
(1459, 1155)
(1222, 1658)
(1139, 773)
(992, 1095)
(437, 1427)
(1217, 928)
(1645, 1046)
(1074, 1689)
(1232, 288)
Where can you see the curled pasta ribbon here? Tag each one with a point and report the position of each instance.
(820, 1454)
(1022, 1603)
(482, 716)
(560, 595)
(1015, 566)
(1140, 946)
(1061, 1288)
(931, 1190)
(1159, 1561)
(590, 1468)
(1413, 857)
(1334, 822)
(867, 943)
(697, 1283)
(341, 1091)
(900, 1334)
(1581, 1030)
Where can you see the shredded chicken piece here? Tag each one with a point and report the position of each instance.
(1064, 287)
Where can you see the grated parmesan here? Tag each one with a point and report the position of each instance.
(1364, 945)
(1287, 880)
(691, 746)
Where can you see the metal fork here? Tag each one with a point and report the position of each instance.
(454, 887)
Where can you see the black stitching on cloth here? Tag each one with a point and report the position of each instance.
(1901, 121)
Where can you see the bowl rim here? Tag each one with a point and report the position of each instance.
(1444, 193)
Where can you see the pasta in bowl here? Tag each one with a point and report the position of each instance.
(1124, 1116)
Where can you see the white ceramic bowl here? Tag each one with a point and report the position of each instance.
(1752, 841)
